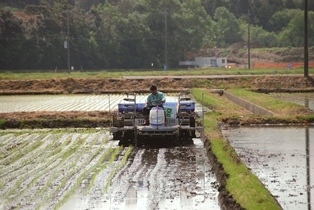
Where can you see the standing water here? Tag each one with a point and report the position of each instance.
(282, 158)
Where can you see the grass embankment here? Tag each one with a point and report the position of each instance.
(284, 112)
(115, 73)
(244, 187)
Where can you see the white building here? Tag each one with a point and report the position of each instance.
(203, 62)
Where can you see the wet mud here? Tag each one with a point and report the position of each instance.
(157, 178)
(82, 169)
(282, 158)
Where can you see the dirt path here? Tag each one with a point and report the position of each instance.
(141, 84)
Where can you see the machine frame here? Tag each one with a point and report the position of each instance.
(179, 128)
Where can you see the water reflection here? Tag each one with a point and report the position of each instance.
(281, 158)
(308, 171)
(164, 178)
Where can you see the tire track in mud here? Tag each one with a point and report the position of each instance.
(83, 170)
(164, 178)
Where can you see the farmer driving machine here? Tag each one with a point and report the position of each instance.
(174, 122)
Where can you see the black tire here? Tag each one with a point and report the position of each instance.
(139, 141)
(126, 138)
(192, 125)
(117, 135)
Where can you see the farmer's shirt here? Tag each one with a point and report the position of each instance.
(153, 100)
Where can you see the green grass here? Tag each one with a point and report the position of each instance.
(277, 106)
(245, 187)
(101, 74)
(220, 106)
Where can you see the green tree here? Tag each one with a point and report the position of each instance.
(12, 41)
(258, 36)
(242, 7)
(106, 36)
(227, 27)
(281, 19)
(47, 33)
(293, 34)
(290, 4)
(195, 28)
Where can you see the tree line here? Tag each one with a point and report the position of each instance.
(133, 34)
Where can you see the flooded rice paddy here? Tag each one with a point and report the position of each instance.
(82, 169)
(282, 158)
(33, 103)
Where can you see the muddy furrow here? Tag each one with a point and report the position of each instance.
(165, 178)
(83, 170)
(44, 178)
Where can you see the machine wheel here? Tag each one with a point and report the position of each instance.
(126, 138)
(178, 139)
(192, 125)
(138, 141)
(117, 135)
(124, 142)
(117, 122)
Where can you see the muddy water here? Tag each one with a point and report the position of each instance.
(282, 158)
(304, 99)
(164, 178)
(81, 169)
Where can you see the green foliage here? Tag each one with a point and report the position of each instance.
(259, 37)
(132, 34)
(281, 19)
(227, 28)
(293, 34)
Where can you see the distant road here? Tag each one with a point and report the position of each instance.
(205, 76)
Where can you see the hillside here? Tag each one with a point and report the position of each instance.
(238, 54)
(116, 34)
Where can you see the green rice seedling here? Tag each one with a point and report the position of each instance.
(1, 185)
(57, 156)
(113, 156)
(118, 167)
(39, 171)
(75, 170)
(95, 169)
(22, 150)
(73, 148)
(14, 190)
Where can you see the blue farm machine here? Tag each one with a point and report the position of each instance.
(174, 122)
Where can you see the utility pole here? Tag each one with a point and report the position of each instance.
(68, 41)
(306, 44)
(249, 41)
(166, 44)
